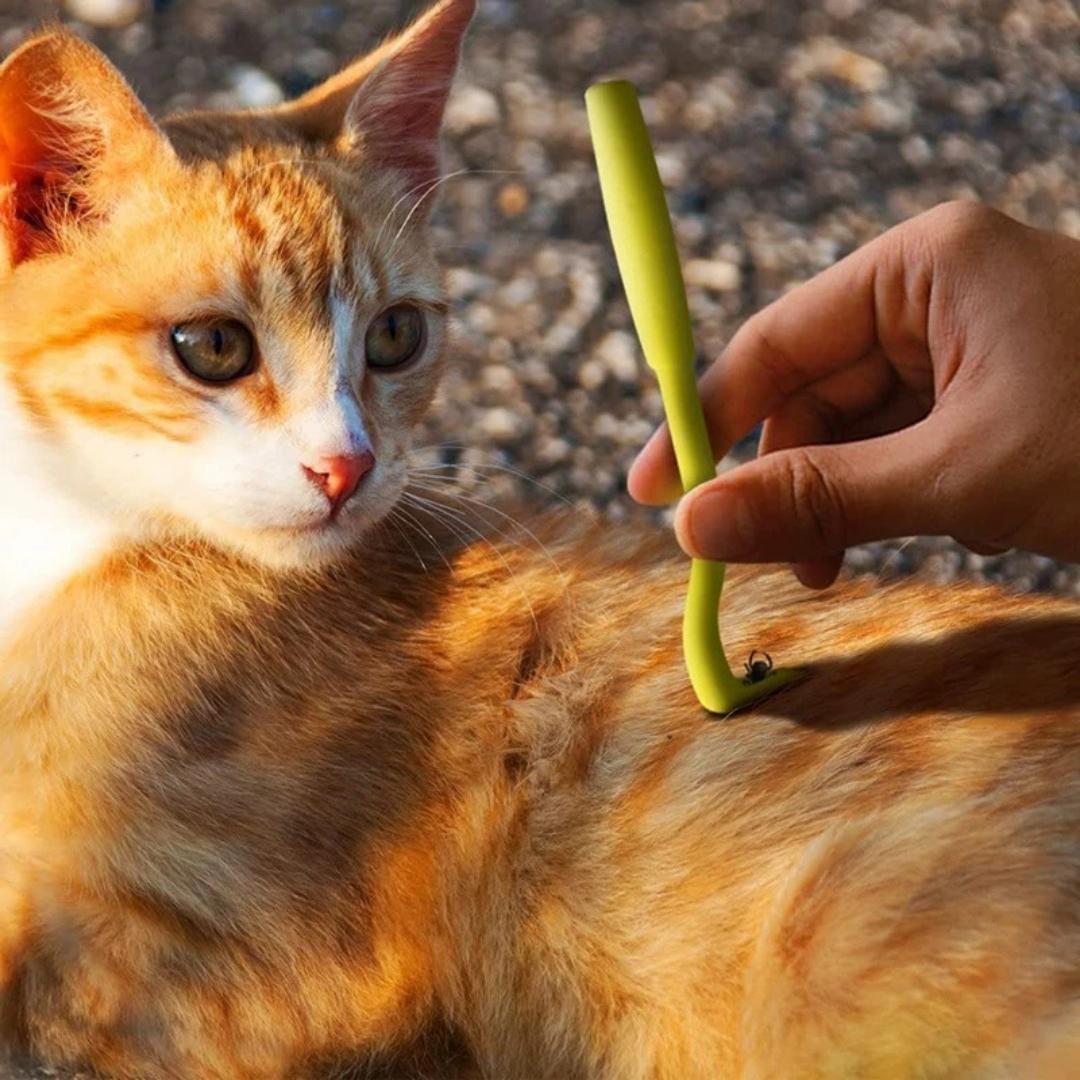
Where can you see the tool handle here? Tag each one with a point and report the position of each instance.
(648, 261)
(640, 225)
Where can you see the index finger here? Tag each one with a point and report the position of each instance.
(829, 322)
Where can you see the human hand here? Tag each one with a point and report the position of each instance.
(927, 383)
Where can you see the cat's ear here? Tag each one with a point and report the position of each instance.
(72, 134)
(389, 105)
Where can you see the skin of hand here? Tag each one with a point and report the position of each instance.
(929, 383)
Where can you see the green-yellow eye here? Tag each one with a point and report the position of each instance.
(395, 337)
(216, 351)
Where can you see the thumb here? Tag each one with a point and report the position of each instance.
(813, 501)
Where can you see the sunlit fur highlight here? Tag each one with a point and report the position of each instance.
(433, 797)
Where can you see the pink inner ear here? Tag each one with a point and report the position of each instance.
(61, 106)
(397, 110)
(390, 103)
(398, 119)
(41, 186)
(406, 138)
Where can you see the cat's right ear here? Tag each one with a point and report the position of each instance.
(72, 133)
(388, 106)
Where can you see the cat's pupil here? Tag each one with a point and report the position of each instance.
(395, 337)
(217, 352)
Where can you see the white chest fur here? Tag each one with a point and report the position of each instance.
(46, 537)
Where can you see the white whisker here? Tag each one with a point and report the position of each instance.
(390, 519)
(435, 509)
(483, 465)
(411, 519)
(505, 516)
(431, 185)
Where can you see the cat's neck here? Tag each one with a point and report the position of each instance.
(46, 537)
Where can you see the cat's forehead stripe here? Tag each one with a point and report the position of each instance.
(290, 226)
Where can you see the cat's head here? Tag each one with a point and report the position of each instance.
(227, 326)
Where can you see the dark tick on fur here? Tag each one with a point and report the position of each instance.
(756, 670)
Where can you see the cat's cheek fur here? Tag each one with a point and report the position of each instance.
(244, 488)
(239, 483)
(48, 534)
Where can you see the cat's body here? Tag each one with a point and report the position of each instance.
(285, 790)
(267, 822)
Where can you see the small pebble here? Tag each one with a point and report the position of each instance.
(591, 374)
(502, 425)
(108, 13)
(470, 108)
(825, 57)
(513, 200)
(713, 274)
(618, 352)
(254, 89)
(499, 378)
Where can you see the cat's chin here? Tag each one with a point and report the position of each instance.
(287, 549)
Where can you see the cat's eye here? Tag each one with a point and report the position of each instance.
(395, 337)
(215, 351)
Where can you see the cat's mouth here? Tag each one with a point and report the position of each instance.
(310, 543)
(307, 540)
(315, 528)
(331, 531)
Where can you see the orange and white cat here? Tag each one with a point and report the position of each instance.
(279, 799)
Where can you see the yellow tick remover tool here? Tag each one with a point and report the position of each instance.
(649, 265)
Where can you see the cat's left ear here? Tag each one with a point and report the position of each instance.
(72, 135)
(388, 106)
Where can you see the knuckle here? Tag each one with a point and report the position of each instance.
(782, 370)
(817, 503)
(960, 222)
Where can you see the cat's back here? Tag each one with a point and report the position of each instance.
(893, 841)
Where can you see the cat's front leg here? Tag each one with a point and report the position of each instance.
(130, 989)
(131, 986)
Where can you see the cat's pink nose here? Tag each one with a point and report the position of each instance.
(339, 475)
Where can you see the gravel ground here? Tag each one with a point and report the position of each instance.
(788, 134)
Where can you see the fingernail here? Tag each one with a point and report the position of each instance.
(721, 526)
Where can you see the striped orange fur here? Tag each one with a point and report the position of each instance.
(279, 799)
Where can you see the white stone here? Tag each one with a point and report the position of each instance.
(825, 57)
(499, 379)
(553, 451)
(111, 13)
(591, 374)
(254, 89)
(916, 151)
(672, 168)
(716, 275)
(464, 284)
(500, 424)
(619, 352)
(471, 107)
